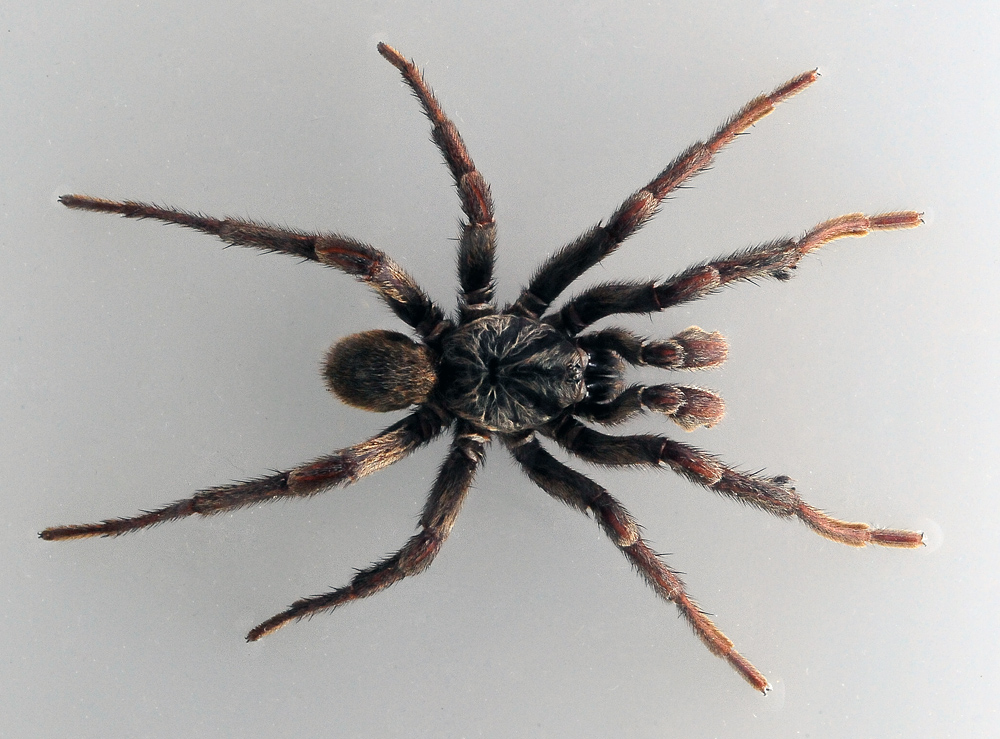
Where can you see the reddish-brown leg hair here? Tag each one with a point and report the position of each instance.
(366, 263)
(477, 245)
(340, 468)
(579, 491)
(776, 259)
(773, 494)
(438, 517)
(559, 270)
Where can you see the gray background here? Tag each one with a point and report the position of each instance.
(141, 362)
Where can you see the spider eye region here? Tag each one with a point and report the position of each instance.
(507, 373)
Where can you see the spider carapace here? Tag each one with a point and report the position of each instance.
(523, 371)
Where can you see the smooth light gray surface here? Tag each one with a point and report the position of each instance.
(141, 363)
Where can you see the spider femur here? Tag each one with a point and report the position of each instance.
(380, 371)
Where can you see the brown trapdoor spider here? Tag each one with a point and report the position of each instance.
(522, 371)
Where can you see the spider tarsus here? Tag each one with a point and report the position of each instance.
(392, 56)
(65, 533)
(692, 348)
(119, 526)
(689, 407)
(267, 627)
(896, 220)
(85, 202)
(754, 111)
(857, 534)
(794, 86)
(898, 538)
(701, 348)
(748, 672)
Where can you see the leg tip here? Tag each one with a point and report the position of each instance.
(748, 672)
(893, 221)
(267, 627)
(898, 538)
(391, 55)
(63, 533)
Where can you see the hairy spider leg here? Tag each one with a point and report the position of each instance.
(477, 245)
(579, 491)
(366, 263)
(694, 348)
(776, 259)
(572, 260)
(340, 468)
(772, 494)
(439, 514)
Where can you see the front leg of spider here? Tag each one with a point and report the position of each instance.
(520, 371)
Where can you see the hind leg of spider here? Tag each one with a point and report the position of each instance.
(340, 468)
(773, 494)
(438, 517)
(579, 491)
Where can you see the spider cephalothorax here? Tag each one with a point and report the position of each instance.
(518, 371)
(507, 373)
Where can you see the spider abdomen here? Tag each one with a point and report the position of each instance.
(507, 373)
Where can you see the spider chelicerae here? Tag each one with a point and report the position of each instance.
(522, 371)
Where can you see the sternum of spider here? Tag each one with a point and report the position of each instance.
(507, 373)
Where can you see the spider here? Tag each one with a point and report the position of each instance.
(523, 371)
